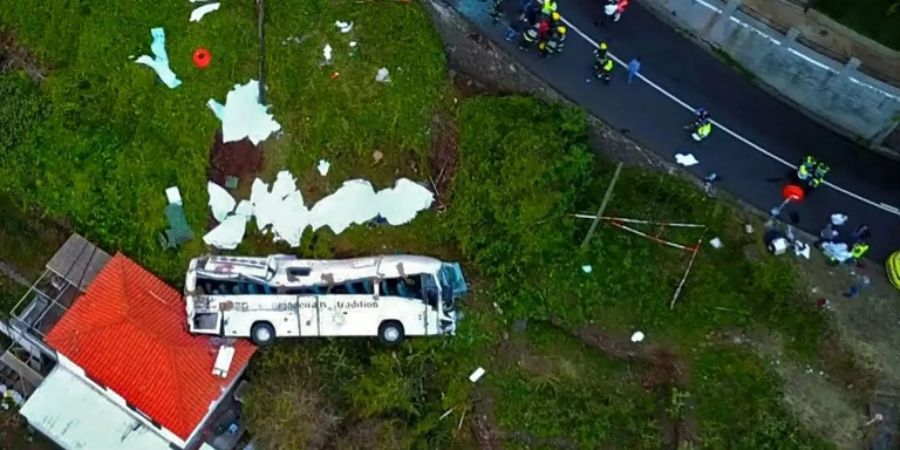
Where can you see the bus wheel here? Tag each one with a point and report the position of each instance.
(391, 332)
(262, 333)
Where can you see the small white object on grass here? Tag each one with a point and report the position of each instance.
(323, 167)
(637, 336)
(201, 11)
(715, 242)
(383, 75)
(345, 27)
(476, 375)
(748, 228)
(587, 268)
(173, 195)
(326, 52)
(686, 160)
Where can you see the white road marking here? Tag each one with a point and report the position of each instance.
(750, 143)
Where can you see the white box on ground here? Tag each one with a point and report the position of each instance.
(173, 195)
(476, 375)
(223, 361)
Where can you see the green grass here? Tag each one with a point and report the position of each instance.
(877, 19)
(107, 138)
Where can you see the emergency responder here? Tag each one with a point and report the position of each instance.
(530, 36)
(701, 126)
(497, 11)
(601, 51)
(554, 42)
(859, 250)
(806, 169)
(822, 169)
(702, 131)
(548, 7)
(603, 66)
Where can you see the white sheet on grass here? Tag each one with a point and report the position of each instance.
(243, 116)
(228, 234)
(220, 201)
(282, 209)
(160, 60)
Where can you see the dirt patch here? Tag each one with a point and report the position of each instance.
(663, 368)
(14, 56)
(239, 159)
(443, 157)
(481, 423)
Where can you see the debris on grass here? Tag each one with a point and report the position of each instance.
(220, 201)
(323, 167)
(160, 60)
(173, 195)
(326, 53)
(344, 27)
(377, 156)
(476, 375)
(282, 208)
(715, 242)
(383, 75)
(637, 336)
(587, 268)
(201, 11)
(243, 116)
(228, 234)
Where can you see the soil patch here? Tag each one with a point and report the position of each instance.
(663, 367)
(443, 157)
(13, 56)
(481, 423)
(240, 159)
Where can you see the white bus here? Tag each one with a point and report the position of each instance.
(264, 298)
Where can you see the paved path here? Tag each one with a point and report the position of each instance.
(764, 134)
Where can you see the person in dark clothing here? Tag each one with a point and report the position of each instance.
(860, 234)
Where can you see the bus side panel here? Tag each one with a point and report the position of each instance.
(308, 315)
(410, 313)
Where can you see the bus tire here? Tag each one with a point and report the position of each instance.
(262, 333)
(391, 332)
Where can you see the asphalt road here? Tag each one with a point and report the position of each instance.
(697, 78)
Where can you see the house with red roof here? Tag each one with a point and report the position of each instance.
(128, 373)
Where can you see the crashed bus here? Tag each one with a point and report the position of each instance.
(265, 298)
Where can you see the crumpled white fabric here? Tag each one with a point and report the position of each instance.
(220, 201)
(344, 27)
(243, 116)
(228, 234)
(201, 11)
(160, 60)
(686, 160)
(401, 203)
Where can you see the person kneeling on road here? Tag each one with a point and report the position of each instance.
(554, 43)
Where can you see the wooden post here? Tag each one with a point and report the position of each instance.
(261, 19)
(600, 211)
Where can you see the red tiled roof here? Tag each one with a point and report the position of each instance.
(129, 333)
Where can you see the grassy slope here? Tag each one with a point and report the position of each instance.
(877, 19)
(115, 138)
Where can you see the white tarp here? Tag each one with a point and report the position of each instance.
(75, 416)
(229, 234)
(243, 116)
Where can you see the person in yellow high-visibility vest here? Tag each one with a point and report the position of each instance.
(702, 132)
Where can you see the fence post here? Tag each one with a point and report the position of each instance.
(606, 197)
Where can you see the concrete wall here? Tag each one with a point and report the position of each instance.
(836, 93)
